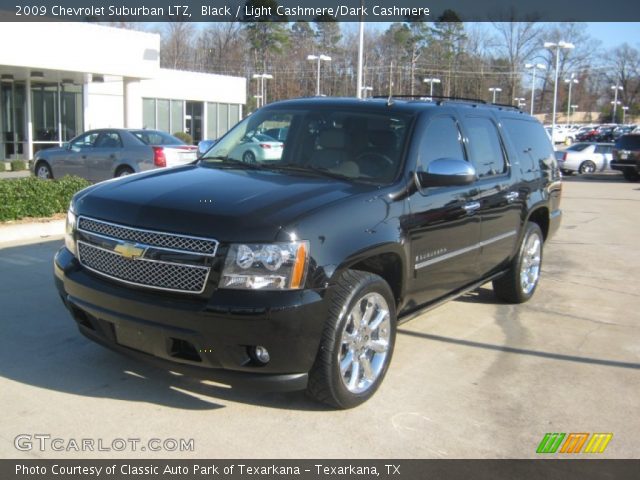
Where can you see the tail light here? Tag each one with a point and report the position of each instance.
(564, 157)
(265, 145)
(159, 159)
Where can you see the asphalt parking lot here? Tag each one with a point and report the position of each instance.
(472, 379)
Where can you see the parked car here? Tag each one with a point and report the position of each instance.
(622, 130)
(626, 156)
(256, 147)
(585, 158)
(605, 133)
(106, 153)
(294, 273)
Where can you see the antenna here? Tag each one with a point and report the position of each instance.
(389, 101)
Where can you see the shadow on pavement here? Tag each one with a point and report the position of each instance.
(41, 346)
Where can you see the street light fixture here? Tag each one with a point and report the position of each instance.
(624, 113)
(495, 90)
(571, 80)
(534, 67)
(365, 90)
(615, 102)
(557, 46)
(318, 58)
(519, 101)
(261, 95)
(431, 81)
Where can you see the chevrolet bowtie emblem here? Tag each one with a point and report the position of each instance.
(129, 250)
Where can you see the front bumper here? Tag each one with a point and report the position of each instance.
(204, 338)
(622, 165)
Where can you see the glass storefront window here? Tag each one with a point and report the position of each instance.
(177, 116)
(149, 113)
(212, 121)
(162, 114)
(223, 118)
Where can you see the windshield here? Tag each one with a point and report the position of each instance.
(354, 145)
(578, 147)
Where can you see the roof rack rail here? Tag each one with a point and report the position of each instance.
(437, 97)
(455, 99)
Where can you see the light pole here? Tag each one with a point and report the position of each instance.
(571, 80)
(495, 90)
(615, 102)
(318, 58)
(573, 109)
(624, 113)
(431, 81)
(557, 46)
(262, 95)
(534, 67)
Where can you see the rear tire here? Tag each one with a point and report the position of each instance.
(519, 284)
(587, 167)
(43, 170)
(631, 175)
(357, 342)
(124, 171)
(248, 157)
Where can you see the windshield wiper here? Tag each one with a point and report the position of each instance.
(224, 161)
(310, 169)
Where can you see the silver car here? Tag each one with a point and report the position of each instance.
(106, 153)
(585, 158)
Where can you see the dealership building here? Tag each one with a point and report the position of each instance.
(60, 79)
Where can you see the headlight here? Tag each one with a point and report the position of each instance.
(69, 230)
(272, 266)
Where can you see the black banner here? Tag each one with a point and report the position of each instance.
(317, 10)
(582, 469)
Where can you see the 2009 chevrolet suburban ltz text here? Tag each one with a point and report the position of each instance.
(291, 270)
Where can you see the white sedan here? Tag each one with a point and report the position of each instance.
(257, 147)
(585, 158)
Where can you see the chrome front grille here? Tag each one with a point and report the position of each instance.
(162, 261)
(157, 239)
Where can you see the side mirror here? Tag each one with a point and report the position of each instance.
(447, 172)
(205, 145)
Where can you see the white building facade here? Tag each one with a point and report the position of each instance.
(61, 79)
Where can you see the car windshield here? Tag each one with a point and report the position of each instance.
(154, 137)
(347, 144)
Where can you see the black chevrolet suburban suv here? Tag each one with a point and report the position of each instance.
(291, 267)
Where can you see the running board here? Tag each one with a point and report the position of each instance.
(458, 293)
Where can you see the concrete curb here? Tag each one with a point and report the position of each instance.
(31, 231)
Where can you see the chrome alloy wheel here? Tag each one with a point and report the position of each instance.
(531, 260)
(365, 343)
(43, 172)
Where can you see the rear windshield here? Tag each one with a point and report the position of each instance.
(628, 142)
(154, 137)
(578, 147)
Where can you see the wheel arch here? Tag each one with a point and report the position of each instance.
(540, 216)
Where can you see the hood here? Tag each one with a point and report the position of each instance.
(225, 204)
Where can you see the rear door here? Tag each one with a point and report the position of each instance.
(443, 224)
(500, 203)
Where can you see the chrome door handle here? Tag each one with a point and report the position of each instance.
(511, 196)
(471, 207)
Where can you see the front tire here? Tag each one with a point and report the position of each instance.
(357, 342)
(519, 284)
(43, 171)
(587, 167)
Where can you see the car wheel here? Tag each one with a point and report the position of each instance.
(587, 167)
(631, 175)
(43, 171)
(124, 171)
(357, 342)
(519, 283)
(248, 157)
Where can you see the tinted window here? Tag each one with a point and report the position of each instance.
(152, 137)
(578, 147)
(108, 140)
(628, 142)
(530, 141)
(86, 140)
(441, 139)
(485, 149)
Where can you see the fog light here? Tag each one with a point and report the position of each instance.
(261, 354)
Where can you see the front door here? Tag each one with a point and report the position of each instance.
(443, 225)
